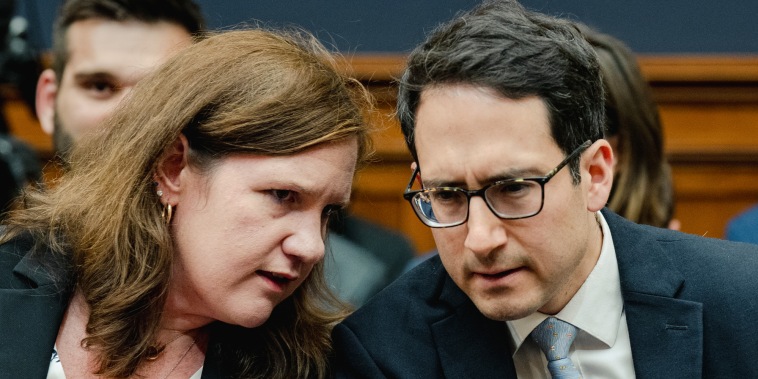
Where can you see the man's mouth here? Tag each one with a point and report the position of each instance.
(499, 274)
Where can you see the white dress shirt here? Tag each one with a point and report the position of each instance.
(601, 348)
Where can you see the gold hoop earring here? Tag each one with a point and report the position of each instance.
(167, 213)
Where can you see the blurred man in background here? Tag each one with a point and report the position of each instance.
(101, 49)
(19, 68)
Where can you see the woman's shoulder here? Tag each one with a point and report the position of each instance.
(25, 263)
(13, 250)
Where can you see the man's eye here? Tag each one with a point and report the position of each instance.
(101, 89)
(282, 195)
(447, 196)
(514, 188)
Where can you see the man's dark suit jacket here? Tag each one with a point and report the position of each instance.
(691, 305)
(32, 304)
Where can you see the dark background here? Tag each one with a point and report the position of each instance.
(395, 26)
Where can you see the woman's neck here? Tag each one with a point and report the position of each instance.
(179, 352)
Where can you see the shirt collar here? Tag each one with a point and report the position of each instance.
(595, 308)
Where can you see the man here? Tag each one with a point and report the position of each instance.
(101, 49)
(502, 109)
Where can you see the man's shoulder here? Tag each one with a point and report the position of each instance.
(705, 264)
(679, 245)
(405, 312)
(396, 334)
(627, 234)
(413, 296)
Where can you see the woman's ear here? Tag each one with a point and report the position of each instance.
(47, 90)
(599, 164)
(168, 173)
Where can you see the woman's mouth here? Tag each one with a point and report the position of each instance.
(279, 279)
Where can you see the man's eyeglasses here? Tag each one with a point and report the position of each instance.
(442, 207)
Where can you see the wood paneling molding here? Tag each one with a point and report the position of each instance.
(702, 69)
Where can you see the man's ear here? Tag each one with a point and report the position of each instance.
(599, 165)
(418, 177)
(47, 90)
(168, 174)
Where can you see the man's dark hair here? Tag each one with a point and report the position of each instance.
(185, 13)
(517, 53)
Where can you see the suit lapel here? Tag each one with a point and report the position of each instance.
(666, 333)
(666, 336)
(469, 344)
(29, 321)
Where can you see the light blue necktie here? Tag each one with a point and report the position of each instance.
(554, 337)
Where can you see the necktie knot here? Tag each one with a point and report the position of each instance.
(554, 337)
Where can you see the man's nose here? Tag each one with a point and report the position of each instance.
(486, 231)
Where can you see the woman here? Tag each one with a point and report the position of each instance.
(186, 240)
(642, 185)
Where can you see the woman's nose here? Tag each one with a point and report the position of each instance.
(307, 241)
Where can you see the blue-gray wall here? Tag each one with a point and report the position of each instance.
(647, 26)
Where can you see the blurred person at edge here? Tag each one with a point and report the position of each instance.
(19, 69)
(186, 239)
(744, 226)
(642, 185)
(101, 49)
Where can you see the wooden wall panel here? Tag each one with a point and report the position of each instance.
(709, 193)
(713, 128)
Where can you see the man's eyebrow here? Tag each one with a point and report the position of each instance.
(94, 75)
(519, 173)
(505, 175)
(441, 183)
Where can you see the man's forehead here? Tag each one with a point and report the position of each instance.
(124, 41)
(474, 135)
(125, 51)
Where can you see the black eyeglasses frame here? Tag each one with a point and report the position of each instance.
(408, 195)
